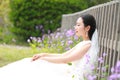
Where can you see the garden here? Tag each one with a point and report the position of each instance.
(28, 28)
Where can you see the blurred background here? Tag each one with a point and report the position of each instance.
(28, 27)
(20, 19)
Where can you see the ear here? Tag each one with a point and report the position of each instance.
(87, 28)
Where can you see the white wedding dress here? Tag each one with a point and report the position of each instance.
(42, 70)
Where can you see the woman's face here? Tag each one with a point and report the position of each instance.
(79, 27)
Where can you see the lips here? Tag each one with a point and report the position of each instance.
(76, 31)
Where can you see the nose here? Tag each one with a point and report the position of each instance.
(75, 27)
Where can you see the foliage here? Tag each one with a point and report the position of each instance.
(96, 2)
(4, 10)
(115, 70)
(6, 36)
(59, 41)
(29, 16)
(49, 9)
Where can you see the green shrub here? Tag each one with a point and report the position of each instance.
(37, 17)
(6, 36)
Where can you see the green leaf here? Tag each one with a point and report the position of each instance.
(69, 63)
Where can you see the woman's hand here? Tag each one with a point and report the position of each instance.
(38, 56)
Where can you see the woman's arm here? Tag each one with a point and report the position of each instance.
(37, 56)
(58, 54)
(75, 54)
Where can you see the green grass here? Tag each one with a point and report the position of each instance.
(10, 53)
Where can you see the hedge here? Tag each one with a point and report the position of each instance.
(37, 17)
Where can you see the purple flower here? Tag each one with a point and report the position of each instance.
(118, 67)
(70, 42)
(40, 26)
(118, 64)
(37, 27)
(100, 60)
(43, 37)
(104, 54)
(31, 37)
(113, 76)
(115, 72)
(39, 41)
(49, 37)
(87, 58)
(90, 77)
(70, 33)
(57, 35)
(49, 31)
(118, 76)
(103, 69)
(92, 67)
(68, 48)
(76, 37)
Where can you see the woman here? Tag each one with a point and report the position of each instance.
(55, 66)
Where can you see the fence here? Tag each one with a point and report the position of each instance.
(107, 17)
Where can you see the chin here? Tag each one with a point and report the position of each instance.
(77, 35)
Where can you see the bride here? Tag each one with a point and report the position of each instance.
(46, 66)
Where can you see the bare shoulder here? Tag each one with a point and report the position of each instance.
(86, 46)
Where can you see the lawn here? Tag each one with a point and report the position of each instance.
(10, 53)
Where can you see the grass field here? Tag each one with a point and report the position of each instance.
(10, 53)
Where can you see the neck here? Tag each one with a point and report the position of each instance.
(86, 38)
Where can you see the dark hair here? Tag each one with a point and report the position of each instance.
(89, 20)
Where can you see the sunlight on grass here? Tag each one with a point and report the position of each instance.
(10, 54)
